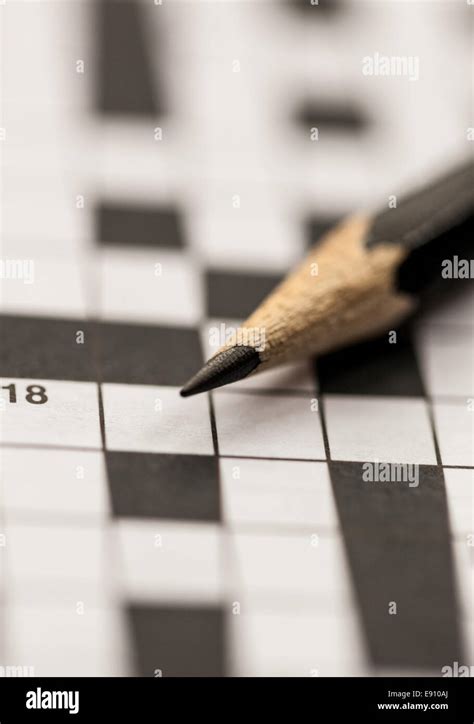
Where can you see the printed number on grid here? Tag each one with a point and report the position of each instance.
(34, 394)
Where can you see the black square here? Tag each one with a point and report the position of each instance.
(344, 117)
(147, 355)
(178, 487)
(139, 225)
(127, 82)
(178, 640)
(54, 349)
(234, 295)
(398, 545)
(318, 9)
(317, 226)
(375, 367)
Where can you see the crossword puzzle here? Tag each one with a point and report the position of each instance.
(161, 193)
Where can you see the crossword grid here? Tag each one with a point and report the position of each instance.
(221, 535)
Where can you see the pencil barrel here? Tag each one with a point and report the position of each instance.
(342, 292)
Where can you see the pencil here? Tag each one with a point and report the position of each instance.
(363, 277)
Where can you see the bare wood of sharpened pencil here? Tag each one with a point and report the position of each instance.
(363, 278)
(341, 292)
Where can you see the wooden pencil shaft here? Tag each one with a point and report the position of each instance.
(340, 293)
(348, 287)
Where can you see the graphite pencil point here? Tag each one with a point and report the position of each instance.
(228, 366)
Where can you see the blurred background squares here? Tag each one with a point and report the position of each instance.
(339, 118)
(44, 287)
(46, 348)
(277, 494)
(42, 554)
(317, 225)
(50, 484)
(235, 295)
(147, 354)
(179, 640)
(141, 286)
(139, 225)
(299, 566)
(169, 561)
(306, 645)
(125, 83)
(316, 10)
(57, 639)
(239, 240)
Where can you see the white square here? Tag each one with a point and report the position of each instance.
(234, 239)
(277, 493)
(47, 287)
(275, 426)
(169, 561)
(39, 555)
(53, 482)
(150, 286)
(292, 567)
(469, 642)
(388, 429)
(60, 641)
(460, 494)
(142, 418)
(294, 377)
(464, 565)
(63, 414)
(454, 422)
(43, 220)
(447, 360)
(297, 643)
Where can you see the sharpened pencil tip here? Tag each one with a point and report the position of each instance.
(231, 365)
